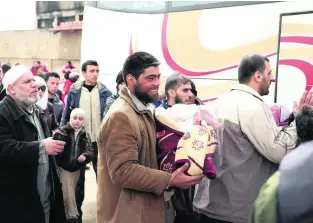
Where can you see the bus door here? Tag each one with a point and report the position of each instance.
(294, 57)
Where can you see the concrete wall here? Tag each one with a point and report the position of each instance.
(53, 50)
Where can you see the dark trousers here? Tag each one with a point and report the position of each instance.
(187, 218)
(204, 219)
(95, 159)
(80, 192)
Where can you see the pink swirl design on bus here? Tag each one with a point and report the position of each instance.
(297, 39)
(171, 62)
(304, 66)
(131, 50)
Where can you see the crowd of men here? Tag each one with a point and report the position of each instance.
(122, 128)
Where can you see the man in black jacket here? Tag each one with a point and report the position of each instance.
(2, 90)
(30, 189)
(5, 68)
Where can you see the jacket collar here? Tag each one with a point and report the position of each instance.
(69, 127)
(165, 105)
(134, 102)
(3, 92)
(56, 99)
(78, 86)
(247, 89)
(16, 111)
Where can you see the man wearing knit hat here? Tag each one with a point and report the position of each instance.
(30, 190)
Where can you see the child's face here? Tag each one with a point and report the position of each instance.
(77, 121)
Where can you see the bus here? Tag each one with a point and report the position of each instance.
(205, 40)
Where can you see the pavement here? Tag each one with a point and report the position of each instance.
(89, 205)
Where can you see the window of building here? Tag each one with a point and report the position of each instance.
(45, 23)
(66, 19)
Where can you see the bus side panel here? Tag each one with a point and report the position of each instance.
(206, 45)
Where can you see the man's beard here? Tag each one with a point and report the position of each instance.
(178, 100)
(264, 90)
(143, 96)
(26, 100)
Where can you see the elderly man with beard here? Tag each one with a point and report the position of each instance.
(250, 146)
(130, 186)
(30, 190)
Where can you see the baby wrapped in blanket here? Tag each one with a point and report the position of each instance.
(186, 134)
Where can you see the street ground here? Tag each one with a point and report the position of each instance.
(89, 205)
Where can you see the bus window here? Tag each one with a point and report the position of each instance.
(134, 6)
(192, 3)
(176, 6)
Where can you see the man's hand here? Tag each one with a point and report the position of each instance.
(181, 180)
(81, 158)
(53, 147)
(306, 100)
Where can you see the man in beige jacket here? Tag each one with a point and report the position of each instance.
(250, 146)
(130, 186)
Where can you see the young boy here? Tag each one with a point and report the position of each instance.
(78, 151)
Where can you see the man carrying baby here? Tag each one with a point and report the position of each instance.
(178, 90)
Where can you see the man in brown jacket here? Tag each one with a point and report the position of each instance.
(130, 186)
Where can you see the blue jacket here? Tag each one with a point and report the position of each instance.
(295, 194)
(73, 99)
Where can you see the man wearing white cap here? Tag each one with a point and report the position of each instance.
(30, 189)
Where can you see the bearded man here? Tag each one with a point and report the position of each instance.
(30, 189)
(130, 186)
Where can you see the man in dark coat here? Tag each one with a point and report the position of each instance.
(30, 190)
(2, 91)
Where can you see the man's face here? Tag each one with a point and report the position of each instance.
(267, 79)
(147, 86)
(53, 85)
(91, 74)
(25, 90)
(184, 95)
